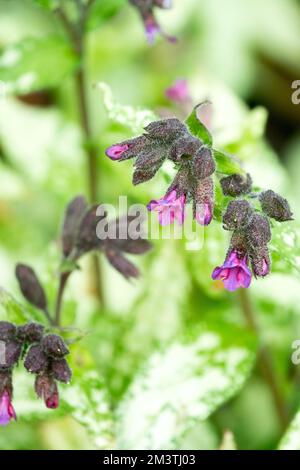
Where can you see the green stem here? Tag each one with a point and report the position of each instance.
(61, 289)
(265, 361)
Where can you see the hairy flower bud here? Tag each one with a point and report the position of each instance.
(86, 237)
(30, 333)
(237, 214)
(275, 206)
(204, 201)
(121, 264)
(184, 148)
(260, 261)
(46, 388)
(74, 213)
(36, 360)
(236, 185)
(60, 370)
(31, 287)
(204, 164)
(258, 231)
(7, 331)
(166, 130)
(54, 346)
(12, 354)
(128, 149)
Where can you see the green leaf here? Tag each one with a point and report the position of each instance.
(133, 118)
(285, 247)
(227, 164)
(291, 439)
(11, 310)
(50, 4)
(35, 64)
(183, 385)
(102, 10)
(197, 128)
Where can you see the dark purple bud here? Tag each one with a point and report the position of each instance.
(166, 130)
(60, 370)
(275, 206)
(134, 247)
(142, 175)
(237, 214)
(30, 333)
(183, 182)
(151, 157)
(12, 352)
(6, 382)
(46, 388)
(258, 231)
(204, 201)
(30, 286)
(54, 346)
(184, 148)
(260, 261)
(204, 164)
(7, 331)
(236, 185)
(86, 238)
(73, 215)
(36, 361)
(121, 264)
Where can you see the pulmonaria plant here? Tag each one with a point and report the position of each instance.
(146, 11)
(45, 358)
(199, 168)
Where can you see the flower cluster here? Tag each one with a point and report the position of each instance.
(251, 231)
(195, 161)
(171, 139)
(45, 358)
(146, 11)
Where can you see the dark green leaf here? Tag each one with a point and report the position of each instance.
(197, 128)
(227, 164)
(103, 10)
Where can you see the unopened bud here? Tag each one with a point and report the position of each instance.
(7, 331)
(31, 287)
(61, 371)
(46, 388)
(166, 130)
(36, 361)
(121, 264)
(30, 333)
(258, 231)
(74, 212)
(237, 214)
(260, 261)
(54, 346)
(184, 148)
(236, 185)
(275, 206)
(204, 164)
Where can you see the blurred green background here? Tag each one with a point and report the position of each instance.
(168, 362)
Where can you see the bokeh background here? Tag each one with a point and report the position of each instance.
(151, 353)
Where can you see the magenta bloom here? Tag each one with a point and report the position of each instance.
(7, 411)
(52, 401)
(234, 273)
(115, 151)
(204, 213)
(178, 91)
(152, 29)
(169, 208)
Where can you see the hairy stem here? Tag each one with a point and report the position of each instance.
(61, 289)
(265, 361)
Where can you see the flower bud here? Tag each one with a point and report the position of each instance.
(54, 346)
(86, 237)
(236, 185)
(204, 165)
(204, 201)
(121, 264)
(30, 333)
(73, 215)
(7, 331)
(60, 370)
(166, 130)
(184, 148)
(237, 214)
(258, 231)
(275, 206)
(30, 286)
(36, 361)
(260, 261)
(46, 388)
(12, 354)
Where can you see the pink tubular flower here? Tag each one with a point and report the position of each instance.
(204, 213)
(115, 151)
(52, 402)
(178, 91)
(234, 272)
(7, 412)
(169, 208)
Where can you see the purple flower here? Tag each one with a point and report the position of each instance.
(152, 29)
(115, 151)
(169, 208)
(234, 273)
(52, 402)
(7, 411)
(178, 91)
(204, 213)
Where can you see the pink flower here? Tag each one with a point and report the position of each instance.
(204, 213)
(152, 29)
(234, 273)
(7, 411)
(53, 401)
(178, 91)
(169, 208)
(115, 151)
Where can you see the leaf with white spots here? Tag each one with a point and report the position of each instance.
(35, 64)
(134, 119)
(183, 386)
